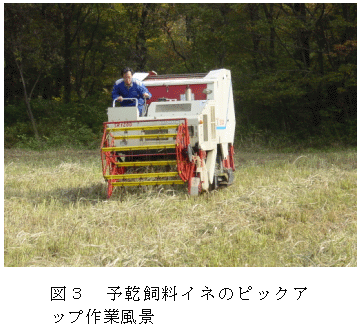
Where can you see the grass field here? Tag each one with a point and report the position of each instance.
(282, 210)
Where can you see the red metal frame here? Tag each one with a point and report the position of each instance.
(108, 160)
(229, 161)
(184, 165)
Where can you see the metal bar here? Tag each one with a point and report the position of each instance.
(176, 76)
(164, 182)
(138, 147)
(146, 163)
(127, 99)
(142, 121)
(145, 136)
(144, 155)
(143, 175)
(176, 82)
(143, 127)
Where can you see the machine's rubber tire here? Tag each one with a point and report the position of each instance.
(214, 185)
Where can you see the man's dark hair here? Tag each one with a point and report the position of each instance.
(127, 69)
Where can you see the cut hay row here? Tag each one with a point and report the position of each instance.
(282, 210)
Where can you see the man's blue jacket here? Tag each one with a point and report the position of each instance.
(136, 90)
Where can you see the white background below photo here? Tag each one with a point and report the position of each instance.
(180, 297)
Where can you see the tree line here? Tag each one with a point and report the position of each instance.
(293, 65)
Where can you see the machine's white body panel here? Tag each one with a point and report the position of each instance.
(211, 121)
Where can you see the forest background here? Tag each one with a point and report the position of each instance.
(293, 67)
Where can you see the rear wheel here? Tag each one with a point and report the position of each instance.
(224, 168)
(215, 184)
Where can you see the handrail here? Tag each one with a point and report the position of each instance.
(128, 99)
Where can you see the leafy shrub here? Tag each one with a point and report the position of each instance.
(77, 124)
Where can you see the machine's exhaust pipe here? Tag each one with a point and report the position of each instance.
(188, 94)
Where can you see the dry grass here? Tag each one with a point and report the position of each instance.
(282, 210)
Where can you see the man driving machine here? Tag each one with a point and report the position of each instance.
(128, 87)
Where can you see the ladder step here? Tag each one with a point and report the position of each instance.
(145, 136)
(163, 182)
(146, 163)
(143, 127)
(143, 175)
(138, 147)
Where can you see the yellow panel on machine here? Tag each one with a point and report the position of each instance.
(138, 147)
(141, 127)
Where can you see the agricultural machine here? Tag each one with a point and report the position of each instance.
(185, 136)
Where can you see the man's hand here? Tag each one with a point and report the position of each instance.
(145, 95)
(120, 99)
